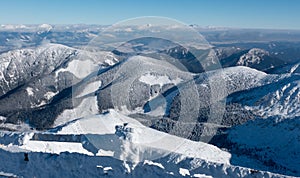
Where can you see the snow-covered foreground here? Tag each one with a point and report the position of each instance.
(142, 140)
(92, 147)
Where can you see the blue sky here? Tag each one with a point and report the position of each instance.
(283, 14)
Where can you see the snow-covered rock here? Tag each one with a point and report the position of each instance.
(260, 59)
(253, 57)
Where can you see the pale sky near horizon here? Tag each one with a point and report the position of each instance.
(273, 14)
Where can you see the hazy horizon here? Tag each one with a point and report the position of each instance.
(232, 14)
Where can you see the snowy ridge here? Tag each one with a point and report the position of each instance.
(278, 98)
(176, 157)
(105, 124)
(240, 78)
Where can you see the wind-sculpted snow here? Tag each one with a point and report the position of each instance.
(58, 152)
(79, 165)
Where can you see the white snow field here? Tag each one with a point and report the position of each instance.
(90, 147)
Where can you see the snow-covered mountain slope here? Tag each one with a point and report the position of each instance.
(144, 85)
(68, 150)
(274, 141)
(278, 98)
(142, 78)
(243, 78)
(292, 68)
(19, 66)
(35, 82)
(50, 88)
(219, 83)
(272, 136)
(161, 76)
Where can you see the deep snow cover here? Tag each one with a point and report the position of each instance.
(71, 149)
